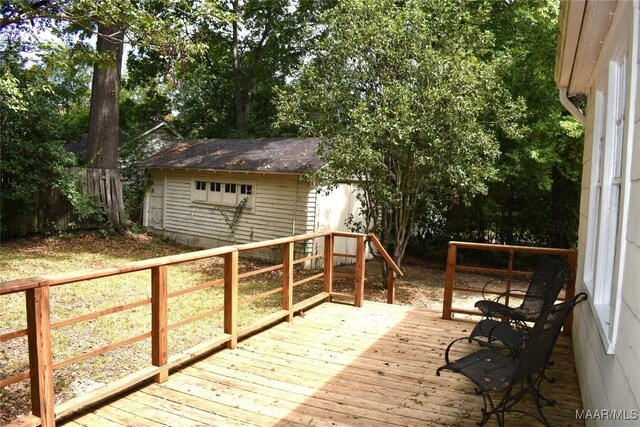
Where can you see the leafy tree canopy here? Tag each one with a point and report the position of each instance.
(226, 88)
(408, 101)
(163, 26)
(35, 104)
(535, 198)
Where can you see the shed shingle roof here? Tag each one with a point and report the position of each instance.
(284, 155)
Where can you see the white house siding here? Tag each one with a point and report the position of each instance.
(280, 208)
(612, 381)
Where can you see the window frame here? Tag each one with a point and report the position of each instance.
(216, 193)
(199, 194)
(613, 85)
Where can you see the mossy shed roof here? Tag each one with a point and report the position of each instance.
(281, 155)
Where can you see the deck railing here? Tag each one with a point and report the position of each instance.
(39, 325)
(509, 273)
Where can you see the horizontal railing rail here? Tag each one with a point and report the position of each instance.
(392, 271)
(39, 326)
(453, 267)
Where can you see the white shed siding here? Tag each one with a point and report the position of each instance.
(333, 210)
(154, 202)
(280, 209)
(612, 381)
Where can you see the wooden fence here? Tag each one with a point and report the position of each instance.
(39, 326)
(51, 209)
(509, 273)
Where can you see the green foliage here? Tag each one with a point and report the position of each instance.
(535, 198)
(85, 206)
(232, 221)
(11, 94)
(407, 105)
(32, 131)
(272, 36)
(163, 26)
(143, 106)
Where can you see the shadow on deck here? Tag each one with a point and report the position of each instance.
(336, 365)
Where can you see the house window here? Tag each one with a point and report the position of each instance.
(604, 239)
(222, 193)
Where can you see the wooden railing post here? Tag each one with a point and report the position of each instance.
(159, 330)
(391, 286)
(287, 279)
(328, 264)
(231, 297)
(509, 276)
(449, 280)
(40, 357)
(570, 290)
(392, 269)
(360, 266)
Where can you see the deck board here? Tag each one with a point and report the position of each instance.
(336, 365)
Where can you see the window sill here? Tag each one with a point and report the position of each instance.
(204, 204)
(602, 319)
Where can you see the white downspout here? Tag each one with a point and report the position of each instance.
(571, 107)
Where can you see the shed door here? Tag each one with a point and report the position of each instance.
(156, 203)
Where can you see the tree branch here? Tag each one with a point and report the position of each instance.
(37, 10)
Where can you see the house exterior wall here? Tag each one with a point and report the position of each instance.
(609, 373)
(282, 205)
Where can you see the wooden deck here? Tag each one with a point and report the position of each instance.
(336, 365)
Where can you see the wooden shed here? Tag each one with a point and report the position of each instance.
(209, 193)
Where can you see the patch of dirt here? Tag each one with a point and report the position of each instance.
(422, 285)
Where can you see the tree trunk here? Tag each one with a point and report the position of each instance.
(244, 79)
(104, 115)
(104, 132)
(240, 116)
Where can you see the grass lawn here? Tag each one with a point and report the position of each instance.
(38, 256)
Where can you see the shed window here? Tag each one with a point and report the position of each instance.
(215, 193)
(229, 197)
(199, 191)
(222, 193)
